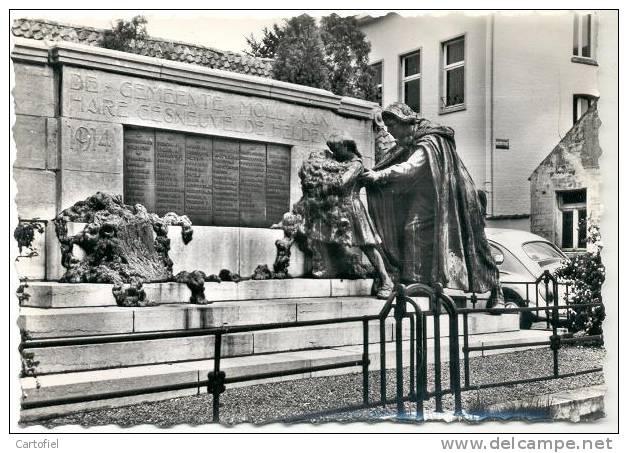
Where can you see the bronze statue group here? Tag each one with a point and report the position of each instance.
(425, 218)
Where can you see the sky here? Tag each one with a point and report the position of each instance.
(224, 30)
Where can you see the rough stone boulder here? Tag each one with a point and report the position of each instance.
(122, 243)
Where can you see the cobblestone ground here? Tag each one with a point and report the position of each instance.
(308, 398)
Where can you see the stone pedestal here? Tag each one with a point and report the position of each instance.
(239, 250)
(30, 264)
(79, 295)
(54, 269)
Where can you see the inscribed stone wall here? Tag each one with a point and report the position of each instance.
(224, 149)
(101, 97)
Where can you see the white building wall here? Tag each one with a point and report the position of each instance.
(533, 86)
(394, 36)
(531, 99)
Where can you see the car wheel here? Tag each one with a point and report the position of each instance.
(526, 318)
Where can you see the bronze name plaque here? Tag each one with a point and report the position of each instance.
(198, 179)
(169, 172)
(139, 168)
(253, 177)
(214, 181)
(226, 175)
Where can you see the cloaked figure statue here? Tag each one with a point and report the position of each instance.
(426, 208)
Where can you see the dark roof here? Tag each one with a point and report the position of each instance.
(40, 29)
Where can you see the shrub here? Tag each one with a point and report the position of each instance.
(24, 234)
(585, 272)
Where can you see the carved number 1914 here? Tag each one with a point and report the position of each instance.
(85, 139)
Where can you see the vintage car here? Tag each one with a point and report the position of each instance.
(522, 257)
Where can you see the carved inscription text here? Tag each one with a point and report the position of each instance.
(94, 95)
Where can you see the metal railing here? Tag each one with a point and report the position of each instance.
(438, 298)
(216, 379)
(398, 303)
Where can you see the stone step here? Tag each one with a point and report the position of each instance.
(61, 322)
(64, 322)
(59, 359)
(142, 378)
(573, 405)
(76, 295)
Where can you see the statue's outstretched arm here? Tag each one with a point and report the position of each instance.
(354, 170)
(405, 171)
(384, 141)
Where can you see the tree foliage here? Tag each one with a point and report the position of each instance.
(347, 57)
(300, 56)
(295, 45)
(267, 46)
(124, 34)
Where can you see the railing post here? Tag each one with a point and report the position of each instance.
(365, 361)
(412, 393)
(382, 361)
(547, 302)
(454, 361)
(400, 313)
(420, 359)
(424, 356)
(454, 349)
(569, 311)
(216, 380)
(465, 349)
(383, 314)
(536, 295)
(555, 339)
(435, 305)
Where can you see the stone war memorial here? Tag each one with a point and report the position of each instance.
(156, 197)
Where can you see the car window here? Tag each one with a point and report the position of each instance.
(511, 264)
(543, 253)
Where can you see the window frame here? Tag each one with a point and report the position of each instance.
(444, 68)
(380, 86)
(577, 28)
(574, 209)
(419, 76)
(589, 97)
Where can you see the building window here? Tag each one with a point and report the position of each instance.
(583, 30)
(377, 78)
(453, 73)
(573, 219)
(581, 103)
(411, 80)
